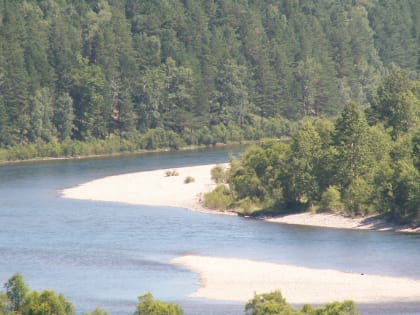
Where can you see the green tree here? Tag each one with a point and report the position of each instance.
(269, 304)
(46, 303)
(301, 185)
(396, 104)
(149, 306)
(351, 140)
(42, 112)
(331, 200)
(4, 304)
(334, 308)
(92, 111)
(406, 192)
(16, 291)
(64, 116)
(98, 311)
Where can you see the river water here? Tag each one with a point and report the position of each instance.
(107, 254)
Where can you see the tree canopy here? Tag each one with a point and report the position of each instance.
(351, 164)
(201, 71)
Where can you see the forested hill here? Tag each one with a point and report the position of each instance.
(194, 71)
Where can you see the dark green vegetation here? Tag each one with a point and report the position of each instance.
(18, 300)
(361, 163)
(107, 76)
(274, 304)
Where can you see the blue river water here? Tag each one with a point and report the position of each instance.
(107, 254)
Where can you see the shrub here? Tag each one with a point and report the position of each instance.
(171, 173)
(219, 199)
(331, 200)
(189, 179)
(218, 174)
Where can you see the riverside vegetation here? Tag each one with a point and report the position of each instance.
(18, 300)
(361, 163)
(103, 77)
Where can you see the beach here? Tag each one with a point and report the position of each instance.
(153, 188)
(157, 189)
(234, 279)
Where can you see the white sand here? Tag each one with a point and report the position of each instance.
(238, 280)
(338, 221)
(155, 188)
(149, 188)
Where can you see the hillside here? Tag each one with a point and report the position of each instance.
(173, 73)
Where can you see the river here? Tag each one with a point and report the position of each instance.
(107, 254)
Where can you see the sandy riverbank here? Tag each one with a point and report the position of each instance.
(153, 188)
(237, 279)
(331, 220)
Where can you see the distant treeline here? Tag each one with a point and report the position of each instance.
(361, 163)
(18, 300)
(169, 73)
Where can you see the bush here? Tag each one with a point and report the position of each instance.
(218, 174)
(189, 179)
(147, 305)
(169, 173)
(219, 199)
(331, 200)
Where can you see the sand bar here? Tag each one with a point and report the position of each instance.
(238, 279)
(157, 189)
(332, 220)
(149, 188)
(233, 279)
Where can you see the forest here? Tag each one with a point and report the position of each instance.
(359, 164)
(19, 300)
(108, 76)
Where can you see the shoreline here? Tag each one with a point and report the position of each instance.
(125, 153)
(151, 188)
(145, 188)
(232, 279)
(337, 221)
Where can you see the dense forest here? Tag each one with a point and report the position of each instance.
(99, 76)
(360, 163)
(19, 300)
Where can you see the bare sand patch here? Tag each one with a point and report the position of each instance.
(149, 188)
(157, 189)
(332, 220)
(234, 279)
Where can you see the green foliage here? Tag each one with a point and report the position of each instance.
(396, 104)
(189, 179)
(179, 73)
(269, 304)
(255, 179)
(218, 174)
(343, 166)
(351, 140)
(275, 304)
(46, 303)
(331, 200)
(4, 304)
(98, 311)
(149, 306)
(219, 199)
(16, 291)
(334, 308)
(305, 156)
